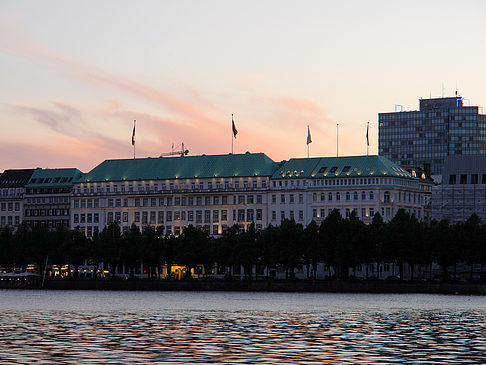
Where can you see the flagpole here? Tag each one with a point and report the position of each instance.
(308, 134)
(232, 133)
(367, 137)
(134, 141)
(337, 139)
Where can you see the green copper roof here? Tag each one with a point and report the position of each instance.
(54, 177)
(353, 166)
(248, 164)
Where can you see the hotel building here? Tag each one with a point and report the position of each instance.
(47, 197)
(12, 189)
(218, 191)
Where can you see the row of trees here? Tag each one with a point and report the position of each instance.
(341, 243)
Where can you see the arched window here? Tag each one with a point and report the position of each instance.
(355, 195)
(387, 197)
(348, 195)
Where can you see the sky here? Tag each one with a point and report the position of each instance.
(76, 74)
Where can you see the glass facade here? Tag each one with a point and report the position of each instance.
(442, 127)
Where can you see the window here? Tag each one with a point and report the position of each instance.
(274, 215)
(282, 215)
(474, 179)
(372, 195)
(282, 199)
(144, 217)
(274, 198)
(258, 214)
(314, 213)
(329, 196)
(463, 179)
(301, 215)
(333, 169)
(338, 196)
(387, 197)
(137, 217)
(207, 216)
(322, 169)
(346, 168)
(215, 215)
(348, 196)
(372, 212)
(224, 215)
(363, 195)
(168, 217)
(241, 215)
(250, 215)
(125, 217)
(259, 199)
(301, 198)
(250, 199)
(190, 216)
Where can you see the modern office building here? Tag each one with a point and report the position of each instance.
(47, 197)
(441, 127)
(218, 191)
(12, 189)
(463, 189)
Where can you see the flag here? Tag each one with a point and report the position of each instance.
(367, 139)
(133, 134)
(235, 132)
(309, 139)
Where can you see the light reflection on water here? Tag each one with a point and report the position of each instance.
(90, 327)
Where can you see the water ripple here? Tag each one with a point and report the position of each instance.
(349, 335)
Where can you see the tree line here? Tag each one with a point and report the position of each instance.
(340, 243)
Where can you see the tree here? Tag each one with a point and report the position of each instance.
(311, 248)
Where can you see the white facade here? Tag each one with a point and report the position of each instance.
(219, 202)
(214, 204)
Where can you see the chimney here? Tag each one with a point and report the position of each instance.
(427, 169)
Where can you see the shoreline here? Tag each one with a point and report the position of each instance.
(271, 286)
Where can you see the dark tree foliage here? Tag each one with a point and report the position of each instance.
(341, 243)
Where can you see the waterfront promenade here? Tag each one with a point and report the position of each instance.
(272, 286)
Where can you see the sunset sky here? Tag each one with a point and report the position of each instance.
(75, 74)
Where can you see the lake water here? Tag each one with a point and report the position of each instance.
(95, 327)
